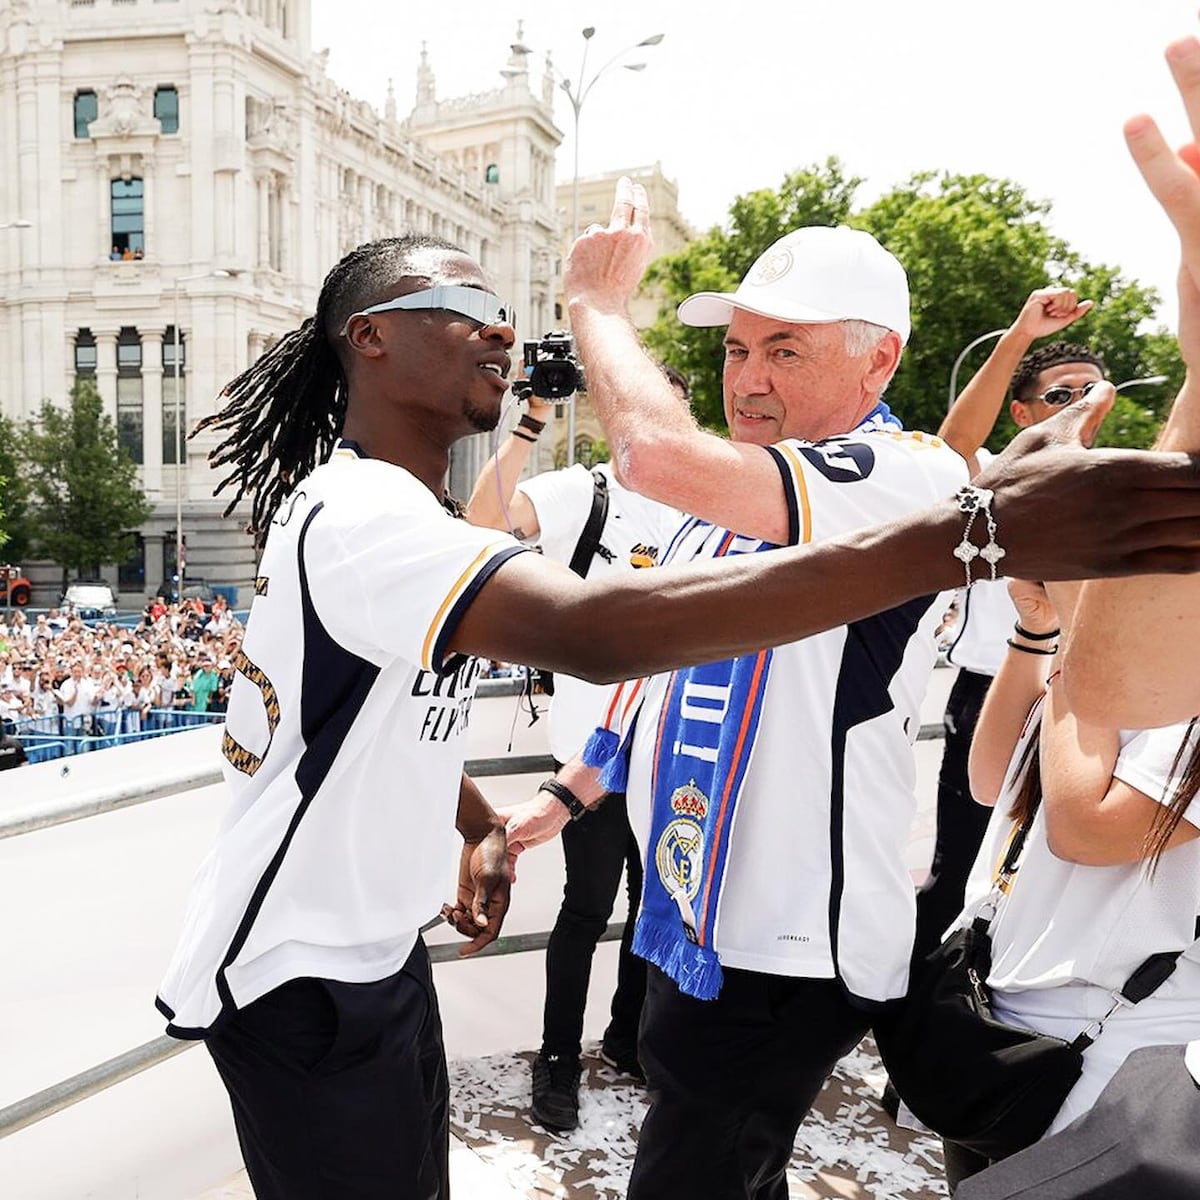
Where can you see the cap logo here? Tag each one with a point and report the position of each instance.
(772, 266)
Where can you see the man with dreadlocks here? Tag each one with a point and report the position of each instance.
(301, 964)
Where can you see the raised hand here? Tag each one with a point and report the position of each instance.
(606, 263)
(1047, 310)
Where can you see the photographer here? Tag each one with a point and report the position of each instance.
(589, 521)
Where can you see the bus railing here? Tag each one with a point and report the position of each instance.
(57, 1096)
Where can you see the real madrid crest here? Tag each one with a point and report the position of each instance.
(679, 854)
(772, 265)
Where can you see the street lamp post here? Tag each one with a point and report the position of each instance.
(180, 561)
(1149, 381)
(983, 337)
(577, 95)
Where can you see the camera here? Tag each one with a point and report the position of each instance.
(551, 369)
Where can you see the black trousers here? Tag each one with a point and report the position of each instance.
(339, 1090)
(731, 1079)
(598, 849)
(960, 821)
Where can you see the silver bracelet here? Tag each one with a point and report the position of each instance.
(973, 501)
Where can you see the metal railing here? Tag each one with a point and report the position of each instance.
(51, 737)
(46, 1103)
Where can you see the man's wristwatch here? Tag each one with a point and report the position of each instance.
(571, 802)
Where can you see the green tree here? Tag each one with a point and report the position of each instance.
(83, 486)
(14, 500)
(974, 248)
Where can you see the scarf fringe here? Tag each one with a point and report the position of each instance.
(695, 968)
(604, 750)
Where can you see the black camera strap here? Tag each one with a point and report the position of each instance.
(589, 540)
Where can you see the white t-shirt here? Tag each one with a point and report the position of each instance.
(816, 883)
(1068, 934)
(636, 533)
(344, 744)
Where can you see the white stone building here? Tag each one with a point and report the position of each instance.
(189, 163)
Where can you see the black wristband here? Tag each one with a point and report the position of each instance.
(1035, 637)
(1029, 649)
(532, 423)
(523, 436)
(573, 804)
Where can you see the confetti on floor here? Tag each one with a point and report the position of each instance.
(847, 1149)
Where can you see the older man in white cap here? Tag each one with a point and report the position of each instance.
(772, 793)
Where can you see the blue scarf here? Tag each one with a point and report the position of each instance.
(707, 729)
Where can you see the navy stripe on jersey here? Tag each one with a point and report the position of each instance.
(441, 664)
(334, 686)
(871, 656)
(789, 494)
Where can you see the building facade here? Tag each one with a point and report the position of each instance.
(176, 179)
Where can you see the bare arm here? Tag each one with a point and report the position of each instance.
(1114, 512)
(657, 447)
(973, 415)
(495, 501)
(1019, 682)
(1133, 659)
(1092, 817)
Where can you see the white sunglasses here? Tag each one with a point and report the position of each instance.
(484, 307)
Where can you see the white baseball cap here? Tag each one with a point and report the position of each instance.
(817, 274)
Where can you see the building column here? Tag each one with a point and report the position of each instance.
(104, 207)
(264, 222)
(106, 367)
(284, 200)
(152, 414)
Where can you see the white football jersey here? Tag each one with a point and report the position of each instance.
(343, 742)
(636, 534)
(816, 883)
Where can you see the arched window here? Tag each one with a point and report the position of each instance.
(492, 173)
(128, 218)
(85, 353)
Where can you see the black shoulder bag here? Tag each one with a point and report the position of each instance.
(991, 1087)
(586, 549)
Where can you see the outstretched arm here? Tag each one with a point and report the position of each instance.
(1114, 512)
(1133, 659)
(973, 414)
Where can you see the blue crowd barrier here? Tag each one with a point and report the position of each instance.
(47, 738)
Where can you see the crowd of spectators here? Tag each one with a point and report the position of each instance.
(61, 676)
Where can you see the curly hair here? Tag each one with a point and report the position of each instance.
(284, 413)
(1055, 354)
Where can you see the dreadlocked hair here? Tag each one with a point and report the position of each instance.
(1044, 357)
(285, 412)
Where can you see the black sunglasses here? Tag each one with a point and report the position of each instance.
(1060, 394)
